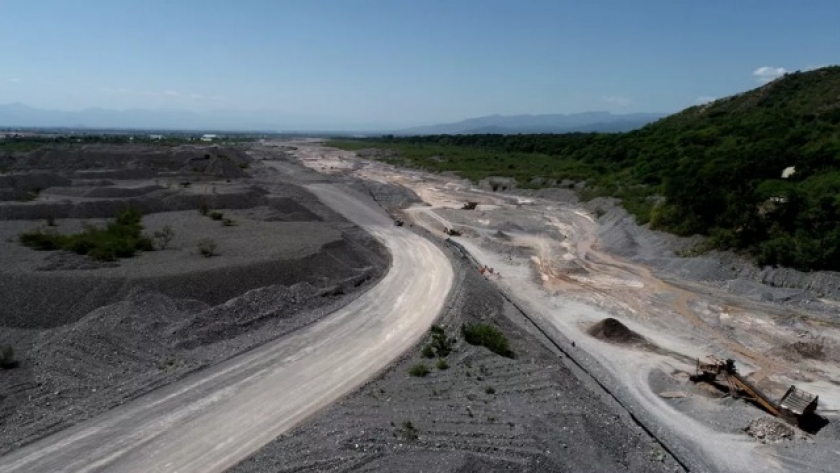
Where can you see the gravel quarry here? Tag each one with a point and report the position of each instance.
(297, 347)
(636, 316)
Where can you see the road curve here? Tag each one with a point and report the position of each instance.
(215, 418)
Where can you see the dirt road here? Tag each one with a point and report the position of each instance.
(214, 418)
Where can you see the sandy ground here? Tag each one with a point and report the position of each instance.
(216, 417)
(548, 256)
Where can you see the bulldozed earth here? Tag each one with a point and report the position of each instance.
(635, 314)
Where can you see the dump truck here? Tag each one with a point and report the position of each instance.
(795, 405)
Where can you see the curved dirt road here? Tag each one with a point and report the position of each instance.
(215, 418)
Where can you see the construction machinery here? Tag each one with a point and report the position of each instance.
(470, 206)
(795, 405)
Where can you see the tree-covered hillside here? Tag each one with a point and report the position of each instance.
(718, 166)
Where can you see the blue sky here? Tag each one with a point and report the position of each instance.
(399, 62)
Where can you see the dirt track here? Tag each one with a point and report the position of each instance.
(262, 393)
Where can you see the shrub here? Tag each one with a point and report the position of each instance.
(203, 209)
(419, 370)
(227, 222)
(7, 357)
(441, 346)
(207, 247)
(442, 364)
(164, 236)
(50, 221)
(490, 390)
(487, 336)
(120, 238)
(217, 215)
(408, 431)
(41, 240)
(428, 352)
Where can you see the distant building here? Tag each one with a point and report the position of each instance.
(155, 137)
(208, 137)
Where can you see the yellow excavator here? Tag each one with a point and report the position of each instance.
(792, 407)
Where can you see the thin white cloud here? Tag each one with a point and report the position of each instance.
(171, 93)
(617, 100)
(14, 80)
(767, 74)
(209, 98)
(704, 99)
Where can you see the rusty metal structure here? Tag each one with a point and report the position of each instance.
(792, 407)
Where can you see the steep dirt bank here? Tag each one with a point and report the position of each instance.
(619, 235)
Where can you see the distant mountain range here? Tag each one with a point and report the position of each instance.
(19, 115)
(550, 123)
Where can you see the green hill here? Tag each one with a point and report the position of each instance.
(718, 166)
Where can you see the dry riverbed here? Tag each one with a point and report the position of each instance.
(571, 266)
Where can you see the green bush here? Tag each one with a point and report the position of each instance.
(441, 346)
(7, 357)
(217, 215)
(442, 364)
(408, 431)
(428, 352)
(227, 222)
(487, 336)
(203, 209)
(121, 238)
(419, 370)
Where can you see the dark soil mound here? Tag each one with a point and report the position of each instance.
(611, 330)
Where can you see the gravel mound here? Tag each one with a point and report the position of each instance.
(19, 186)
(135, 161)
(75, 293)
(613, 331)
(772, 430)
(121, 191)
(389, 196)
(153, 201)
(120, 351)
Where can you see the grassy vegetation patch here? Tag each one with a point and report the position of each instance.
(419, 370)
(487, 336)
(121, 238)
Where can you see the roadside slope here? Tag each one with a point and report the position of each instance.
(215, 418)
